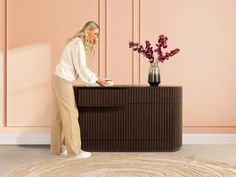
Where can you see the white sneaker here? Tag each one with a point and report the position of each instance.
(83, 155)
(64, 151)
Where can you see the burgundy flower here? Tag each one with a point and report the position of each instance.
(148, 51)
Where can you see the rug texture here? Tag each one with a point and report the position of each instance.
(125, 165)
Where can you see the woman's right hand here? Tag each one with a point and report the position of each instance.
(101, 82)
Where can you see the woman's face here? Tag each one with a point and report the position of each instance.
(93, 34)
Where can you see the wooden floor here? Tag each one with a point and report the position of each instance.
(13, 156)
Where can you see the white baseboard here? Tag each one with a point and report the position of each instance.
(44, 138)
(209, 138)
(11, 139)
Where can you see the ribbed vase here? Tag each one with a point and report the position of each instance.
(154, 78)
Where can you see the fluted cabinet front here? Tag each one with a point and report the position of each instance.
(130, 118)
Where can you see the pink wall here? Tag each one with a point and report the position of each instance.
(38, 43)
(48, 21)
(205, 33)
(119, 31)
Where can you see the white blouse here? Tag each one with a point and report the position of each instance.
(73, 64)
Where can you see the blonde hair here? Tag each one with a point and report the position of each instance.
(88, 45)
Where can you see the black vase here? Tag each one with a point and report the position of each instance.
(154, 78)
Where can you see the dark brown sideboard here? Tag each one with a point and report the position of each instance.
(130, 118)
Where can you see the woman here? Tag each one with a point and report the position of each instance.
(65, 137)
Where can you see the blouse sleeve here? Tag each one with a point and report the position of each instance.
(79, 62)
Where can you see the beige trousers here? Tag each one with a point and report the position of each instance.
(65, 126)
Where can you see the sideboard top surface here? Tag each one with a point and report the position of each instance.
(126, 86)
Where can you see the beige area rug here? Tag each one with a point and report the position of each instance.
(125, 165)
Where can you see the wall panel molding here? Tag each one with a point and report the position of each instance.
(103, 38)
(119, 33)
(3, 16)
(1, 60)
(105, 62)
(99, 53)
(136, 38)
